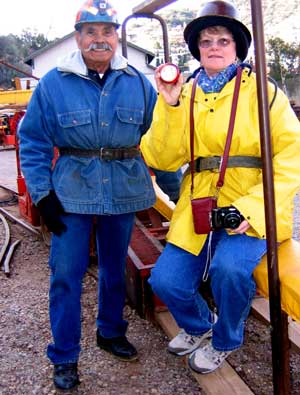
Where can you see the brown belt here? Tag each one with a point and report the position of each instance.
(102, 153)
(214, 162)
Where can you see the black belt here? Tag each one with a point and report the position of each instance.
(214, 162)
(102, 153)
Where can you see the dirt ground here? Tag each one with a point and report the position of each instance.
(25, 333)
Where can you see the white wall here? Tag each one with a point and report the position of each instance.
(48, 59)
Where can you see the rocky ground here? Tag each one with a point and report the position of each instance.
(24, 334)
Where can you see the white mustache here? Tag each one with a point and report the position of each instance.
(98, 47)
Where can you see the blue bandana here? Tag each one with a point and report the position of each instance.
(216, 83)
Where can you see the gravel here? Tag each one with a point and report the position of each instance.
(25, 333)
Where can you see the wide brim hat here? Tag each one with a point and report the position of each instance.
(218, 13)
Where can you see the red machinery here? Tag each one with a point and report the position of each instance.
(10, 117)
(9, 121)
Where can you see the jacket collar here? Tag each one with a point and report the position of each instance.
(74, 63)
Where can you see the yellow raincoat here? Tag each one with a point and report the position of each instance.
(166, 146)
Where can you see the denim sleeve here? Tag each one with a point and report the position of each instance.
(36, 147)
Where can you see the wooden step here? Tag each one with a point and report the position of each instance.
(261, 309)
(224, 381)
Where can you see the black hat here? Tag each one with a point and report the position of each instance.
(218, 13)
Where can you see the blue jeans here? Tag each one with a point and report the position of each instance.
(177, 275)
(69, 259)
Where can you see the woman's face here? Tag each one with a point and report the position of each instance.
(217, 49)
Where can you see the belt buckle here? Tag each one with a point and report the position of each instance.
(216, 163)
(104, 154)
(220, 163)
(101, 153)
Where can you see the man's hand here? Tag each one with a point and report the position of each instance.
(51, 210)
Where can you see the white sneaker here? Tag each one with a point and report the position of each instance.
(184, 343)
(207, 359)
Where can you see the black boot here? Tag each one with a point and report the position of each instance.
(118, 346)
(65, 376)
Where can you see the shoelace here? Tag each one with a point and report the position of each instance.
(187, 338)
(214, 355)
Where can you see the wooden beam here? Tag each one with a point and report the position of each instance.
(224, 381)
(261, 310)
(150, 6)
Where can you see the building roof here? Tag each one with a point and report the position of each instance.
(28, 60)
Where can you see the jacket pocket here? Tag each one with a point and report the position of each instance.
(75, 118)
(129, 115)
(127, 127)
(132, 182)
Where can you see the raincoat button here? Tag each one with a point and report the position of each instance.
(211, 110)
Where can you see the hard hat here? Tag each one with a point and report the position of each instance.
(218, 13)
(94, 11)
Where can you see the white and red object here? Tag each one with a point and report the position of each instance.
(169, 73)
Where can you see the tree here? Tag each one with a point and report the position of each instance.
(13, 50)
(284, 59)
(10, 53)
(32, 41)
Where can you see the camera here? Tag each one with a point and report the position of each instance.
(226, 217)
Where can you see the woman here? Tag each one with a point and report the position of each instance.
(220, 42)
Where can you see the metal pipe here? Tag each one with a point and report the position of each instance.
(7, 237)
(9, 256)
(18, 221)
(150, 16)
(18, 70)
(151, 5)
(279, 356)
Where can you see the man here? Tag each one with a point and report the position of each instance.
(95, 109)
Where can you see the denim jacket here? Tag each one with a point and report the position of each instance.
(68, 109)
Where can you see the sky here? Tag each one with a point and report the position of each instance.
(55, 18)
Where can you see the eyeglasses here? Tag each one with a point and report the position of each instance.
(221, 42)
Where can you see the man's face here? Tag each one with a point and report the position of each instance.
(98, 43)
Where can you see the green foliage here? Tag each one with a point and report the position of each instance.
(284, 59)
(32, 41)
(13, 50)
(178, 17)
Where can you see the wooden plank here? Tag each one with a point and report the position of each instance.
(224, 381)
(294, 334)
(150, 6)
(261, 309)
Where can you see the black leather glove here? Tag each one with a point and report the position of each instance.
(50, 210)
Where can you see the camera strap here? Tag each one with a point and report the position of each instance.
(224, 160)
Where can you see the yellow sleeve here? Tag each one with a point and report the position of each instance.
(285, 138)
(164, 145)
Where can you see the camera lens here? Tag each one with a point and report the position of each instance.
(232, 220)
